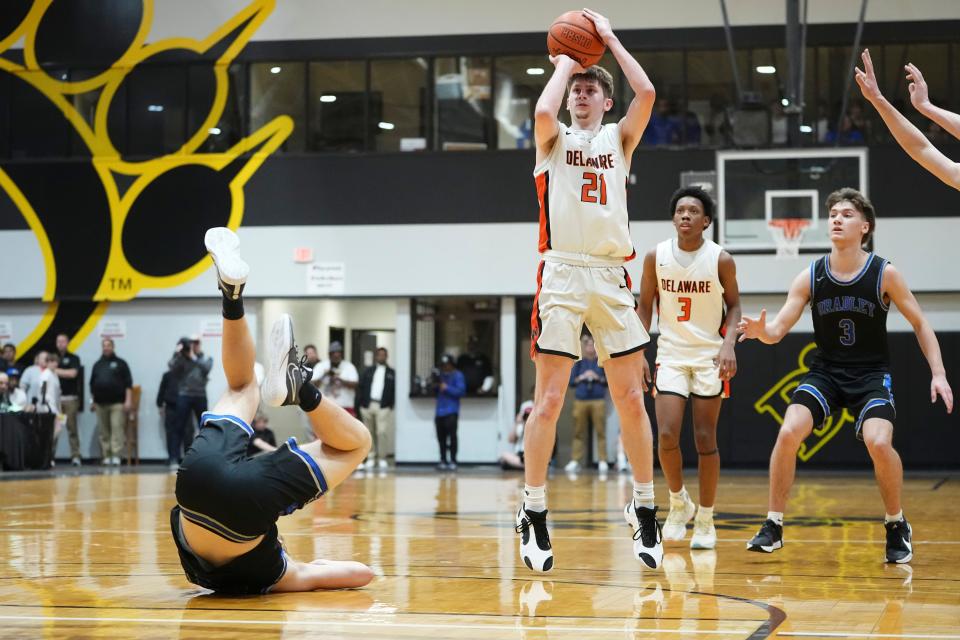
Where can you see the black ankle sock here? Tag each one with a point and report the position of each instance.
(232, 309)
(309, 397)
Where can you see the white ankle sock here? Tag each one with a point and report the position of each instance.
(704, 513)
(643, 494)
(679, 496)
(776, 516)
(534, 498)
(897, 517)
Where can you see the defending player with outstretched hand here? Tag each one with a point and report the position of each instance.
(906, 134)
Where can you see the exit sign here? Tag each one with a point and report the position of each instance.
(303, 254)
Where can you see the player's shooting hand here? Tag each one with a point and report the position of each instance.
(750, 329)
(566, 61)
(727, 361)
(867, 79)
(940, 387)
(602, 24)
(919, 93)
(645, 378)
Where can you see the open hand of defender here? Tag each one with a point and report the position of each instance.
(919, 94)
(752, 329)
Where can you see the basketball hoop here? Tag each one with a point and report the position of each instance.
(787, 234)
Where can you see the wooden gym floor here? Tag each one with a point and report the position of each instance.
(88, 554)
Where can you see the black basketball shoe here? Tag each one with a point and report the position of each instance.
(768, 539)
(899, 541)
(535, 549)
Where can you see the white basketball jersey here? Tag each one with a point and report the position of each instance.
(690, 310)
(582, 189)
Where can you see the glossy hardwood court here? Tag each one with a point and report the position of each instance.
(88, 554)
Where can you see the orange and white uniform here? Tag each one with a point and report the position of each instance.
(690, 315)
(584, 242)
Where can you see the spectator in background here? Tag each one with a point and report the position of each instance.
(8, 356)
(167, 396)
(30, 378)
(589, 406)
(338, 379)
(719, 128)
(263, 439)
(17, 398)
(111, 393)
(192, 369)
(848, 134)
(514, 459)
(48, 400)
(664, 125)
(476, 368)
(12, 399)
(312, 356)
(68, 372)
(450, 388)
(378, 386)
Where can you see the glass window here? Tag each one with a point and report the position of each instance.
(228, 130)
(672, 121)
(933, 62)
(518, 81)
(397, 105)
(156, 100)
(468, 329)
(37, 127)
(338, 105)
(462, 99)
(711, 92)
(278, 88)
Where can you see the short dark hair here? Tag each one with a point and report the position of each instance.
(9, 345)
(384, 349)
(311, 346)
(597, 74)
(860, 202)
(693, 192)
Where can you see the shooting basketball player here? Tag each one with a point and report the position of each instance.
(224, 522)
(906, 134)
(849, 292)
(691, 279)
(581, 173)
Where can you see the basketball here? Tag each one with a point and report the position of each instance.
(574, 35)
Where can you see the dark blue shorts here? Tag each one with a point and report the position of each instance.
(867, 393)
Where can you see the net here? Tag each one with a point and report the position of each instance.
(787, 234)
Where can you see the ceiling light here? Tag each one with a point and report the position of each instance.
(766, 69)
(277, 70)
(214, 130)
(535, 71)
(156, 108)
(388, 126)
(328, 98)
(805, 128)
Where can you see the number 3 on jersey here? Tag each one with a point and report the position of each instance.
(589, 189)
(685, 304)
(849, 337)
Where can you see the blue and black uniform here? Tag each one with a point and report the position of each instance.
(851, 367)
(240, 498)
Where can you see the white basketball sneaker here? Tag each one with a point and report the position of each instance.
(535, 549)
(285, 371)
(681, 511)
(232, 271)
(647, 536)
(704, 534)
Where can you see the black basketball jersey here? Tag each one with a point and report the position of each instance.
(850, 317)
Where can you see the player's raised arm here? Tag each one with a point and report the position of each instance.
(772, 332)
(638, 113)
(896, 287)
(920, 98)
(907, 136)
(545, 123)
(727, 359)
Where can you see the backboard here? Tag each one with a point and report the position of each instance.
(755, 187)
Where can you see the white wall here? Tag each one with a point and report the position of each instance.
(310, 19)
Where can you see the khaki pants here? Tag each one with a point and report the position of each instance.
(70, 405)
(111, 421)
(380, 423)
(584, 412)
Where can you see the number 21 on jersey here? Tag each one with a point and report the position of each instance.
(591, 182)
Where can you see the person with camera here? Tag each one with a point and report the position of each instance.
(192, 368)
(589, 406)
(338, 379)
(451, 386)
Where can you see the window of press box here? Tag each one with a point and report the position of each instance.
(338, 94)
(398, 104)
(462, 99)
(279, 88)
(467, 330)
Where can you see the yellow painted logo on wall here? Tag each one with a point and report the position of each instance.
(775, 402)
(113, 218)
